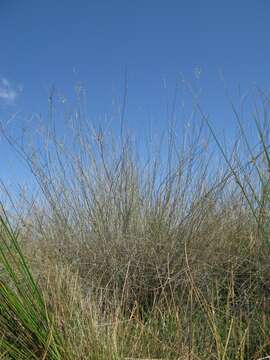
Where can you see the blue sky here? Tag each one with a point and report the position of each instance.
(95, 42)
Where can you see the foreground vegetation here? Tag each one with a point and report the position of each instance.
(125, 256)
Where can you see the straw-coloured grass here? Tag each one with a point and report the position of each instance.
(129, 255)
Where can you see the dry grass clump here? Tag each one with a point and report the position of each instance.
(161, 255)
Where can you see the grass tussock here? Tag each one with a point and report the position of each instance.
(159, 254)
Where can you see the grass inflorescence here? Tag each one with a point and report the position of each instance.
(160, 254)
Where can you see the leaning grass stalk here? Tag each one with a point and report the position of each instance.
(22, 303)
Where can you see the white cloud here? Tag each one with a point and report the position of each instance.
(8, 91)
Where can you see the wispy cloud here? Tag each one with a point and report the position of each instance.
(8, 91)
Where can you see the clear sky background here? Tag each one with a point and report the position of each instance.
(94, 42)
